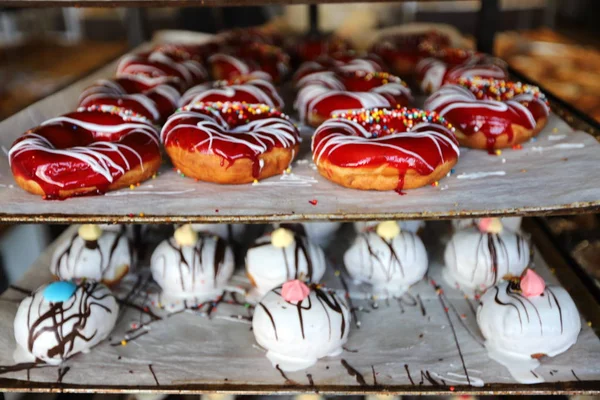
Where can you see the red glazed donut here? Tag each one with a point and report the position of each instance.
(153, 102)
(230, 142)
(245, 89)
(160, 68)
(323, 93)
(491, 114)
(248, 59)
(183, 52)
(309, 48)
(385, 149)
(402, 52)
(90, 151)
(348, 61)
(450, 65)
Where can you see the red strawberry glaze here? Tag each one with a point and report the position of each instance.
(245, 89)
(324, 93)
(310, 48)
(85, 148)
(402, 138)
(230, 130)
(271, 60)
(155, 102)
(489, 106)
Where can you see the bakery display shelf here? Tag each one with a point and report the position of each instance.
(552, 175)
(195, 352)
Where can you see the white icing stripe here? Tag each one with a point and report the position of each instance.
(343, 132)
(143, 100)
(107, 129)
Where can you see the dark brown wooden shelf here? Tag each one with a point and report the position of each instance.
(175, 3)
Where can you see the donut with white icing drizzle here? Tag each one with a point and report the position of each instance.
(159, 67)
(247, 89)
(491, 114)
(296, 333)
(270, 263)
(385, 149)
(403, 51)
(230, 142)
(90, 151)
(106, 258)
(155, 102)
(390, 263)
(520, 327)
(450, 65)
(347, 61)
(62, 319)
(476, 260)
(191, 273)
(323, 93)
(250, 58)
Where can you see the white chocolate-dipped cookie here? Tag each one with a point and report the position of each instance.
(414, 226)
(523, 321)
(298, 324)
(229, 232)
(476, 259)
(62, 319)
(389, 259)
(280, 256)
(93, 254)
(191, 268)
(510, 223)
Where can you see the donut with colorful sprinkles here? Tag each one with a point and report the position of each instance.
(230, 142)
(491, 114)
(321, 94)
(385, 149)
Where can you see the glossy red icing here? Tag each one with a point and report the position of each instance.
(310, 47)
(491, 109)
(386, 137)
(340, 61)
(34, 156)
(228, 133)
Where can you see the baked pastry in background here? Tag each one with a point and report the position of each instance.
(477, 258)
(389, 259)
(510, 223)
(280, 256)
(413, 226)
(298, 324)
(320, 233)
(62, 319)
(191, 268)
(523, 320)
(229, 232)
(93, 254)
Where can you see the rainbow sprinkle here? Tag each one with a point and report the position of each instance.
(380, 118)
(499, 90)
(124, 113)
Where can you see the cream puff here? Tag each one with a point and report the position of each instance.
(298, 324)
(477, 258)
(523, 320)
(388, 258)
(62, 319)
(191, 268)
(280, 256)
(93, 254)
(511, 223)
(414, 226)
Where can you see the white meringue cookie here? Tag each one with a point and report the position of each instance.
(511, 223)
(269, 266)
(391, 266)
(106, 260)
(411, 226)
(191, 275)
(519, 328)
(53, 331)
(475, 261)
(296, 334)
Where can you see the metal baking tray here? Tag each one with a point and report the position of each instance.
(553, 175)
(421, 349)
